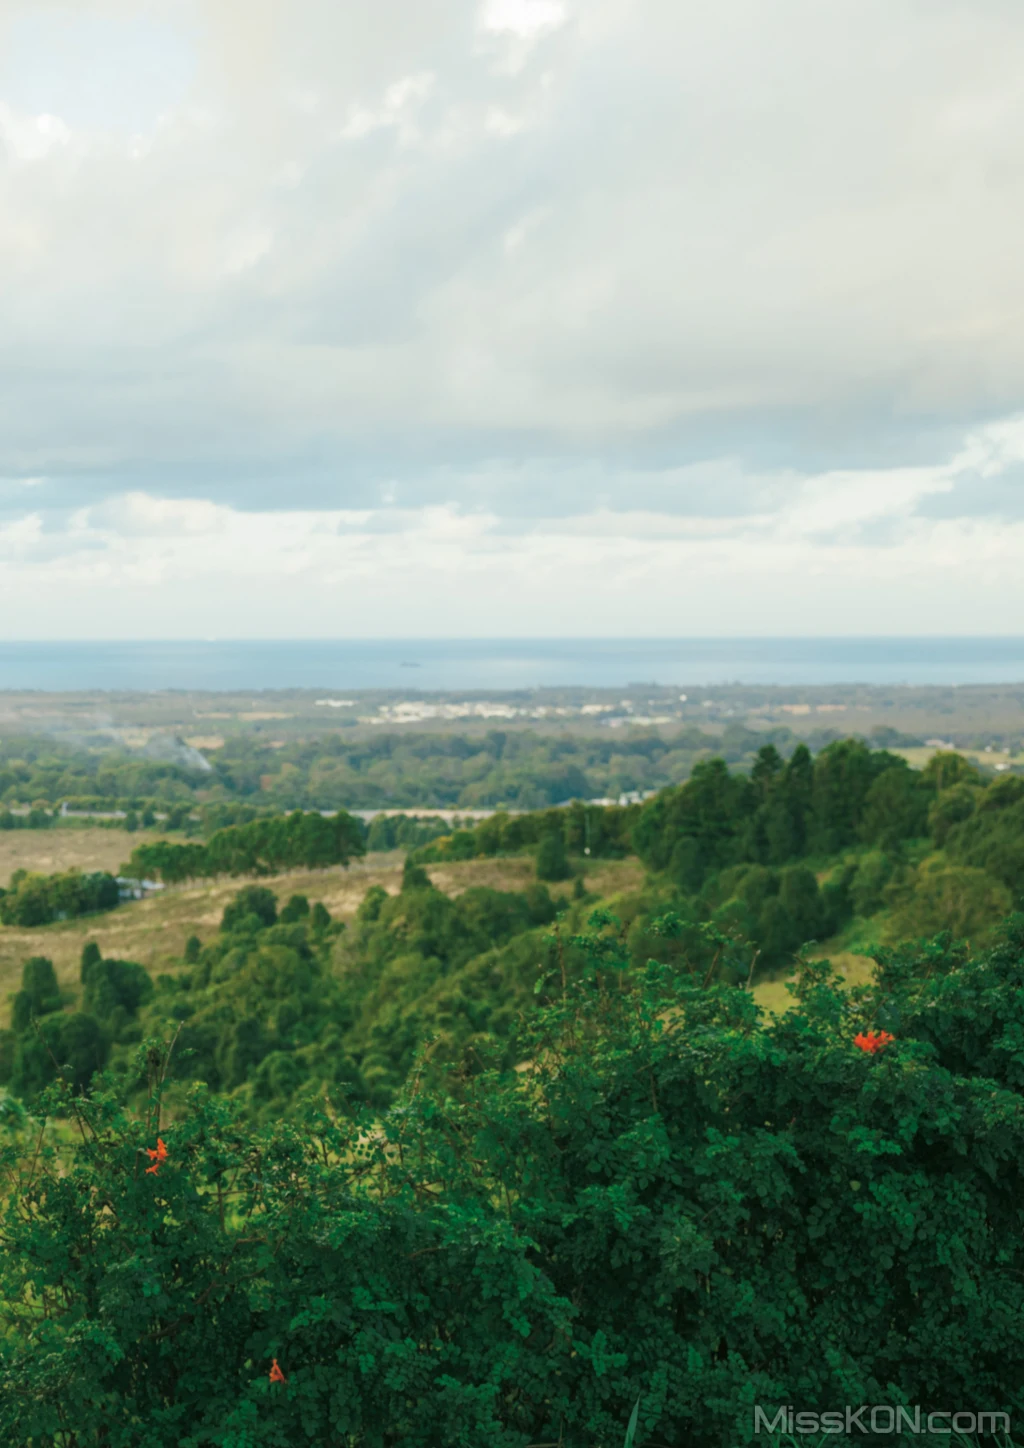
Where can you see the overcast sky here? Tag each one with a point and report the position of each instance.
(522, 317)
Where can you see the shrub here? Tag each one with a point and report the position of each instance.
(40, 899)
(551, 859)
(296, 909)
(967, 902)
(675, 1202)
(254, 902)
(39, 994)
(867, 888)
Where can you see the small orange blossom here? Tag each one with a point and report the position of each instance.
(871, 1042)
(156, 1157)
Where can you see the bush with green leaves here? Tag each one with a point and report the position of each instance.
(673, 1201)
(39, 994)
(295, 910)
(777, 911)
(44, 1038)
(552, 864)
(40, 899)
(254, 907)
(967, 902)
(991, 836)
(114, 990)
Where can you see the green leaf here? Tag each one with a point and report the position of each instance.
(633, 1420)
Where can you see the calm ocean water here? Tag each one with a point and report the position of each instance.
(417, 664)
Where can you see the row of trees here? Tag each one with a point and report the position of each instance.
(261, 847)
(779, 811)
(783, 810)
(598, 831)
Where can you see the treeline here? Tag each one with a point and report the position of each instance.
(409, 770)
(33, 819)
(36, 769)
(794, 850)
(785, 810)
(601, 831)
(791, 850)
(262, 847)
(520, 769)
(675, 1210)
(776, 812)
(403, 832)
(847, 796)
(34, 899)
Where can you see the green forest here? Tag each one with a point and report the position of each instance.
(518, 769)
(521, 1166)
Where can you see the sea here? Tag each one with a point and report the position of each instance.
(416, 665)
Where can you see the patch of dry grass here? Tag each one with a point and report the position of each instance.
(50, 851)
(773, 997)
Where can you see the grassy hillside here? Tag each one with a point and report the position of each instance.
(154, 931)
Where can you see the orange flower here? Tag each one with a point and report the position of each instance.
(276, 1375)
(156, 1157)
(872, 1042)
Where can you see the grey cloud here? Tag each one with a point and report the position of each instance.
(775, 235)
(1001, 496)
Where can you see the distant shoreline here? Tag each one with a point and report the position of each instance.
(502, 665)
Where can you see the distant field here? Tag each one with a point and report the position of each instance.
(154, 931)
(66, 849)
(919, 756)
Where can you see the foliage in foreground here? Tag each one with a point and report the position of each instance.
(674, 1201)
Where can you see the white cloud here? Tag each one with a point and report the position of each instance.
(522, 17)
(810, 566)
(27, 138)
(643, 308)
(399, 101)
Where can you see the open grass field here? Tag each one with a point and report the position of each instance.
(917, 756)
(154, 931)
(71, 848)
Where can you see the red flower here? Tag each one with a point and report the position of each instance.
(156, 1157)
(871, 1042)
(276, 1375)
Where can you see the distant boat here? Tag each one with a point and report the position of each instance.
(407, 664)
